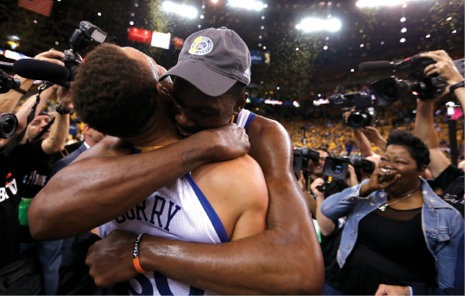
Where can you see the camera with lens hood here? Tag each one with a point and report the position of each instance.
(302, 156)
(79, 41)
(364, 113)
(338, 167)
(392, 89)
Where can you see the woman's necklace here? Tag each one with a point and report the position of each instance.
(383, 207)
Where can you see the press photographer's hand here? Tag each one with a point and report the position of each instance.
(444, 67)
(317, 183)
(51, 56)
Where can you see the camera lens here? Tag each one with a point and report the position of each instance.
(390, 91)
(8, 125)
(338, 169)
(356, 120)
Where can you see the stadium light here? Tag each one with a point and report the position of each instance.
(317, 25)
(247, 4)
(180, 9)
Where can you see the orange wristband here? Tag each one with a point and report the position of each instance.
(137, 265)
(135, 254)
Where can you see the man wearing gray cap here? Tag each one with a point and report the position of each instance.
(210, 78)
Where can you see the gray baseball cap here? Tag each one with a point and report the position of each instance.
(213, 60)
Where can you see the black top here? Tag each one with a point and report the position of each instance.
(451, 181)
(329, 247)
(9, 223)
(390, 249)
(32, 167)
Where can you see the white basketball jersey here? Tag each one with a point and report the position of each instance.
(177, 211)
(244, 118)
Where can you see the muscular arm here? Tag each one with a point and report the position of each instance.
(424, 129)
(113, 185)
(284, 259)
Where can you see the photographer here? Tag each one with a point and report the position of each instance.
(448, 72)
(447, 176)
(12, 172)
(363, 142)
(31, 162)
(314, 169)
(331, 231)
(392, 235)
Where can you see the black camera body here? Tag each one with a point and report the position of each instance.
(364, 114)
(79, 41)
(390, 90)
(8, 125)
(338, 167)
(7, 83)
(302, 156)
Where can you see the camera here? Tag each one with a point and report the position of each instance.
(8, 125)
(301, 157)
(79, 41)
(364, 114)
(390, 90)
(7, 83)
(338, 167)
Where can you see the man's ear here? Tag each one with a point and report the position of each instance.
(240, 103)
(163, 92)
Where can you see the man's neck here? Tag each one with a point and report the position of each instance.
(160, 134)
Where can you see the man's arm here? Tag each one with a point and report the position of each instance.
(56, 141)
(374, 137)
(284, 259)
(27, 106)
(362, 142)
(114, 185)
(424, 129)
(10, 99)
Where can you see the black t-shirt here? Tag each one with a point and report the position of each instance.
(9, 223)
(451, 181)
(329, 246)
(31, 166)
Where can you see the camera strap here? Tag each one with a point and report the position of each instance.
(6, 149)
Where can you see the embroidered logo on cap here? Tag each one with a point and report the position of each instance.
(201, 46)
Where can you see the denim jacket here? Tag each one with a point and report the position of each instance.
(442, 225)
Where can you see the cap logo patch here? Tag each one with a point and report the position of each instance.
(201, 46)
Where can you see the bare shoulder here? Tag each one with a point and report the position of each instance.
(263, 125)
(228, 180)
(231, 172)
(237, 191)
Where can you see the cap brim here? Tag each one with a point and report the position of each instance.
(207, 81)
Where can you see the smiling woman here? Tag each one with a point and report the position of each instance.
(397, 230)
